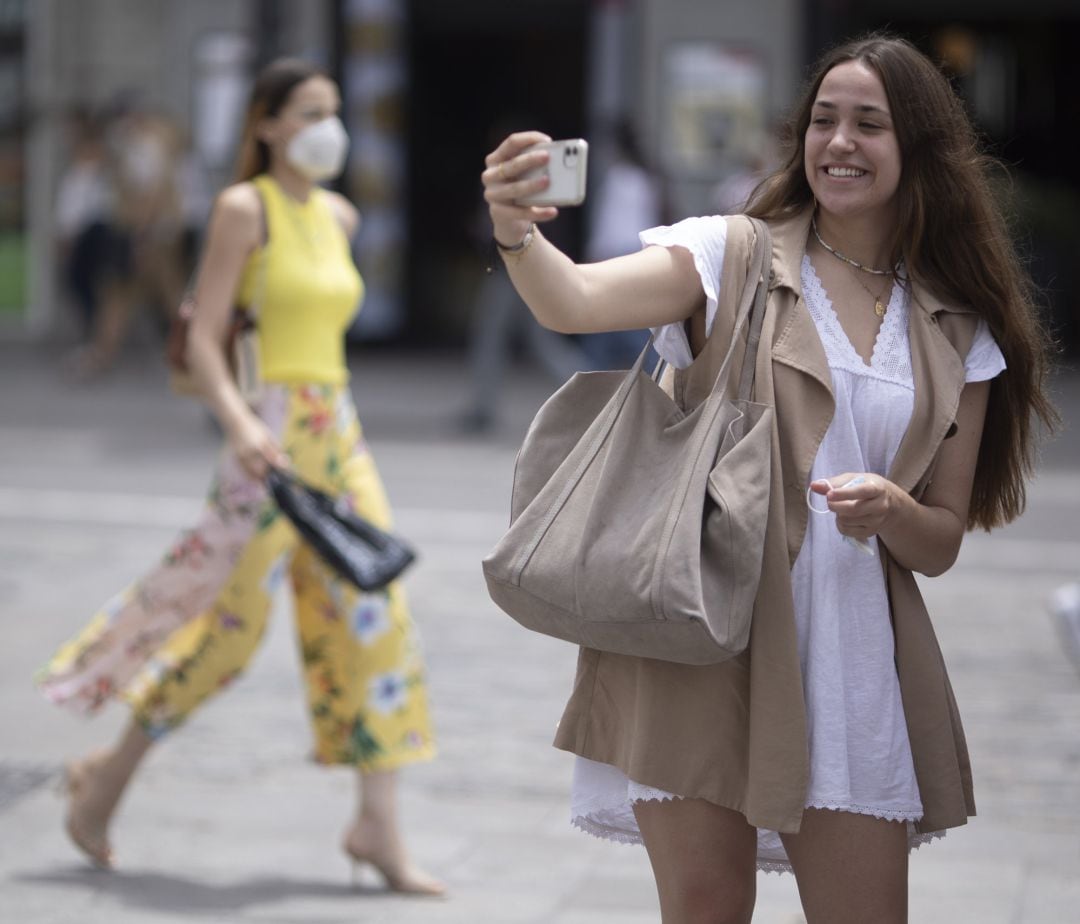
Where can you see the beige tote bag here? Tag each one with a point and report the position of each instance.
(637, 527)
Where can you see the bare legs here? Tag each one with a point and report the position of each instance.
(850, 869)
(95, 786)
(703, 857)
(375, 838)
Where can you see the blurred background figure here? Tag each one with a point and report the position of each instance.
(83, 213)
(278, 244)
(124, 207)
(503, 328)
(1065, 606)
(731, 194)
(627, 198)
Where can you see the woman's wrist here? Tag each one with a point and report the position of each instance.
(232, 412)
(510, 239)
(517, 251)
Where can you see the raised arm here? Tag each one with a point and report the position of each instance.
(655, 286)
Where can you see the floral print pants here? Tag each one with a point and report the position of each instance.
(189, 627)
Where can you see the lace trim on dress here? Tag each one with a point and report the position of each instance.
(604, 832)
(589, 822)
(915, 841)
(886, 814)
(638, 792)
(890, 360)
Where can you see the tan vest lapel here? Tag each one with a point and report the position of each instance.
(938, 373)
(797, 343)
(793, 335)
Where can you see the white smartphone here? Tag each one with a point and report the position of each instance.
(566, 167)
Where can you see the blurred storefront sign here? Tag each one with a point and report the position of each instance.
(715, 108)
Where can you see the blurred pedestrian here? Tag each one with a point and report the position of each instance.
(501, 323)
(82, 214)
(628, 200)
(143, 255)
(731, 196)
(906, 373)
(278, 242)
(1065, 607)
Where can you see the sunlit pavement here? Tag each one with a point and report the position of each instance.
(229, 821)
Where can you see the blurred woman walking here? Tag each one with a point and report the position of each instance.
(184, 631)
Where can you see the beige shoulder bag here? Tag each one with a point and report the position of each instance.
(637, 527)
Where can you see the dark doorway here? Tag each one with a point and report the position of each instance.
(477, 67)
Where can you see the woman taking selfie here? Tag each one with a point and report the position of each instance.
(280, 243)
(903, 358)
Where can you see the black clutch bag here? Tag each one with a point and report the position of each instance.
(357, 550)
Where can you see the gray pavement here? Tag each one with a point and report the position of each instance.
(228, 820)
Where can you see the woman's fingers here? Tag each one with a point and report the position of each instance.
(504, 213)
(513, 145)
(859, 500)
(257, 462)
(511, 192)
(505, 173)
(256, 448)
(853, 484)
(505, 183)
(273, 454)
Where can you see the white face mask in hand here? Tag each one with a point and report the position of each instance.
(318, 151)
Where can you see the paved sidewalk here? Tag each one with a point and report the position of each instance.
(230, 823)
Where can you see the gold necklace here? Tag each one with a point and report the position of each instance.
(879, 307)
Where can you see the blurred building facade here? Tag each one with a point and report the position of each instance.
(425, 81)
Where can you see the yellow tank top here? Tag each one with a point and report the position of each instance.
(309, 291)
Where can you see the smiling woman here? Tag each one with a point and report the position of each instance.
(832, 745)
(852, 161)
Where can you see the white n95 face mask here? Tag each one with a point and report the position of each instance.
(318, 151)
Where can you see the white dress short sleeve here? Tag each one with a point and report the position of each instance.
(984, 360)
(705, 239)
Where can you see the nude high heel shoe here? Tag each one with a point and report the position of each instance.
(399, 876)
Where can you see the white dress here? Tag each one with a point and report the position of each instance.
(860, 756)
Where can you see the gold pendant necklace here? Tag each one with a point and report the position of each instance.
(879, 307)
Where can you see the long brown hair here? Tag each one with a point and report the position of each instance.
(268, 95)
(954, 240)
